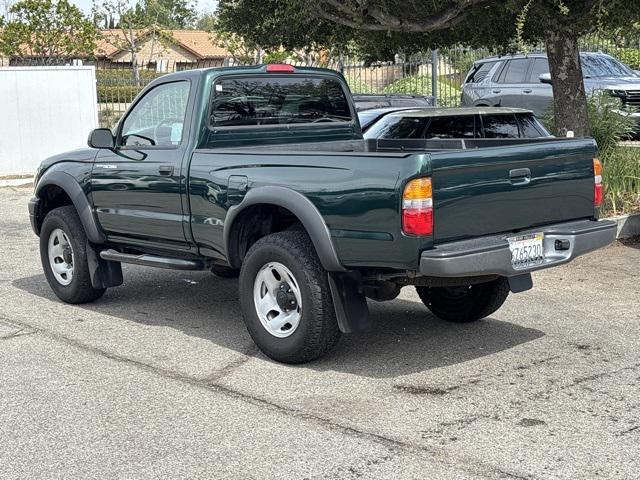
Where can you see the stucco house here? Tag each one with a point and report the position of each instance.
(161, 50)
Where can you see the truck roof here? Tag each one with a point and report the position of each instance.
(197, 72)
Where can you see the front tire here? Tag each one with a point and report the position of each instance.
(285, 299)
(466, 303)
(63, 252)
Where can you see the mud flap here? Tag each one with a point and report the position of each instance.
(104, 274)
(349, 301)
(520, 283)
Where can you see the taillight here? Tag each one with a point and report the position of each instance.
(417, 207)
(280, 68)
(598, 195)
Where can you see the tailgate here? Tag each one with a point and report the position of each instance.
(501, 189)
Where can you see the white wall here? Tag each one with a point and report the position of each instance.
(44, 111)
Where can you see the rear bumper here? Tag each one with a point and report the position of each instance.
(33, 209)
(491, 255)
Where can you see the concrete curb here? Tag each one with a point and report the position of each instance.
(628, 225)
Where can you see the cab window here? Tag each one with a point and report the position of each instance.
(272, 100)
(158, 118)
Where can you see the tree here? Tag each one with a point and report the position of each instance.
(170, 14)
(385, 27)
(48, 30)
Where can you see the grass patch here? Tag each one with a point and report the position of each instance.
(621, 178)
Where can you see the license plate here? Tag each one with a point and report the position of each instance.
(526, 250)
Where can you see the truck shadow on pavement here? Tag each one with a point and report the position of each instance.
(405, 337)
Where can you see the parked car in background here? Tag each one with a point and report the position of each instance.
(369, 101)
(369, 117)
(458, 123)
(524, 81)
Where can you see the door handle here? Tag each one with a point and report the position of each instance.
(166, 170)
(497, 90)
(520, 176)
(527, 90)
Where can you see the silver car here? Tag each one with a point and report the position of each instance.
(524, 81)
(457, 123)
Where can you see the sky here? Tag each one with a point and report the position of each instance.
(203, 5)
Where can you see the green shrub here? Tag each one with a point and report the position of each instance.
(358, 85)
(448, 93)
(621, 178)
(117, 93)
(628, 56)
(607, 120)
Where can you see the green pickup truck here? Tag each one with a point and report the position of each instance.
(262, 173)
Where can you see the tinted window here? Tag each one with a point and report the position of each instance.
(393, 126)
(451, 127)
(278, 100)
(515, 71)
(603, 66)
(158, 118)
(500, 126)
(540, 66)
(530, 127)
(479, 72)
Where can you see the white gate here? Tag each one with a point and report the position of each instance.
(44, 111)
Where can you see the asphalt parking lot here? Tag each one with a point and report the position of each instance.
(159, 379)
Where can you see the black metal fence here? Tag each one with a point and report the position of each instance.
(437, 73)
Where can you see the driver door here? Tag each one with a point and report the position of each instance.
(137, 188)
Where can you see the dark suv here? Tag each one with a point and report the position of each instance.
(524, 81)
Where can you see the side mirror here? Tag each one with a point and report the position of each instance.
(101, 138)
(545, 78)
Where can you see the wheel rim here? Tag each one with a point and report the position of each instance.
(60, 254)
(277, 300)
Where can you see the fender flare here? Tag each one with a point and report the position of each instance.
(79, 199)
(302, 208)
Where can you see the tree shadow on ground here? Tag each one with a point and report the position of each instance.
(404, 338)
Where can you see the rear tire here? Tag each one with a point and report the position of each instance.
(467, 303)
(285, 299)
(63, 246)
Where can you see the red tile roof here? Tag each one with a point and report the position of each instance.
(200, 43)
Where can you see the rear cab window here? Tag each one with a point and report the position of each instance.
(277, 100)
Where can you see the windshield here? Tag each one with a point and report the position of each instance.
(604, 66)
